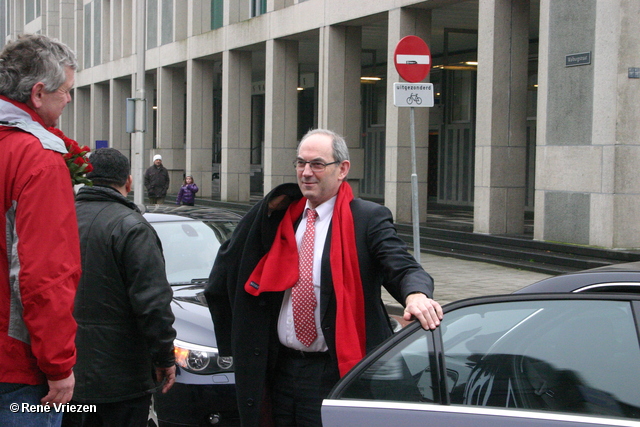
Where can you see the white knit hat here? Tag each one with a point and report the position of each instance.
(157, 157)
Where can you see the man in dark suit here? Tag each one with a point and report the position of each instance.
(295, 294)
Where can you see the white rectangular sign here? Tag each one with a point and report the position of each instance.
(413, 94)
(412, 59)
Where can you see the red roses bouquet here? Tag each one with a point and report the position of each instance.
(76, 158)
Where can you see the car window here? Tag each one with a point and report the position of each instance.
(403, 373)
(189, 247)
(571, 356)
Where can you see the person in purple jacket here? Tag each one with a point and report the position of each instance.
(187, 193)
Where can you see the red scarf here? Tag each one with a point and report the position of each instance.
(278, 271)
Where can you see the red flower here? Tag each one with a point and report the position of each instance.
(79, 161)
(74, 149)
(75, 158)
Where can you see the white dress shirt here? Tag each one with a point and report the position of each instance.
(286, 329)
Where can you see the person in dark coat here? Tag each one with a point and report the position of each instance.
(156, 181)
(187, 193)
(125, 323)
(281, 377)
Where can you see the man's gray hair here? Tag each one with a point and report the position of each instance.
(30, 59)
(339, 145)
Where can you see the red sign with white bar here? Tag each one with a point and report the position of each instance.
(412, 59)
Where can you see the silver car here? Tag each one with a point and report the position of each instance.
(559, 358)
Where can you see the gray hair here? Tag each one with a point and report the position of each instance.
(339, 145)
(30, 59)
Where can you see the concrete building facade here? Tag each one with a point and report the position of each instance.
(536, 102)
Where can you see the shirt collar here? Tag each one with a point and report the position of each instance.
(324, 210)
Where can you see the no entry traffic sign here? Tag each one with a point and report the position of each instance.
(412, 59)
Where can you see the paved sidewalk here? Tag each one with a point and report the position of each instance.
(457, 279)
(454, 278)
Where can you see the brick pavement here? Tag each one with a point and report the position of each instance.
(458, 279)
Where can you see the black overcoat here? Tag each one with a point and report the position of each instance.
(246, 325)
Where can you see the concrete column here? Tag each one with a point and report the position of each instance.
(149, 94)
(117, 30)
(397, 191)
(200, 124)
(99, 114)
(119, 139)
(339, 90)
(106, 38)
(588, 127)
(180, 21)
(81, 116)
(281, 112)
(626, 233)
(236, 126)
(127, 37)
(171, 122)
(235, 11)
(50, 18)
(610, 210)
(67, 25)
(500, 164)
(199, 17)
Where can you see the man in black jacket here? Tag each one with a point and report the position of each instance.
(289, 351)
(125, 324)
(156, 181)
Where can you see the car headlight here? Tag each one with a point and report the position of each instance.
(199, 359)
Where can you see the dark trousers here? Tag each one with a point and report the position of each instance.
(156, 200)
(300, 384)
(128, 413)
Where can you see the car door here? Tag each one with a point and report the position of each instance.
(519, 360)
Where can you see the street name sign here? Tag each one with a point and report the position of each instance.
(413, 94)
(412, 59)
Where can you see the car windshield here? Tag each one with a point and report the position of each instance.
(190, 248)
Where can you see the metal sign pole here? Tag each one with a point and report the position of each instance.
(414, 192)
(412, 58)
(137, 153)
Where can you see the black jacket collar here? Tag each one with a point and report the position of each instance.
(100, 193)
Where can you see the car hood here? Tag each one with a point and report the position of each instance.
(193, 322)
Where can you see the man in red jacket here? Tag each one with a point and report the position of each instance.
(40, 251)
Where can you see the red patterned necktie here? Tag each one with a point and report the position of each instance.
(302, 294)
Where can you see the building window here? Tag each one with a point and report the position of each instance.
(167, 21)
(216, 13)
(152, 24)
(258, 7)
(31, 10)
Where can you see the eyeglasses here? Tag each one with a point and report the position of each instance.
(315, 165)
